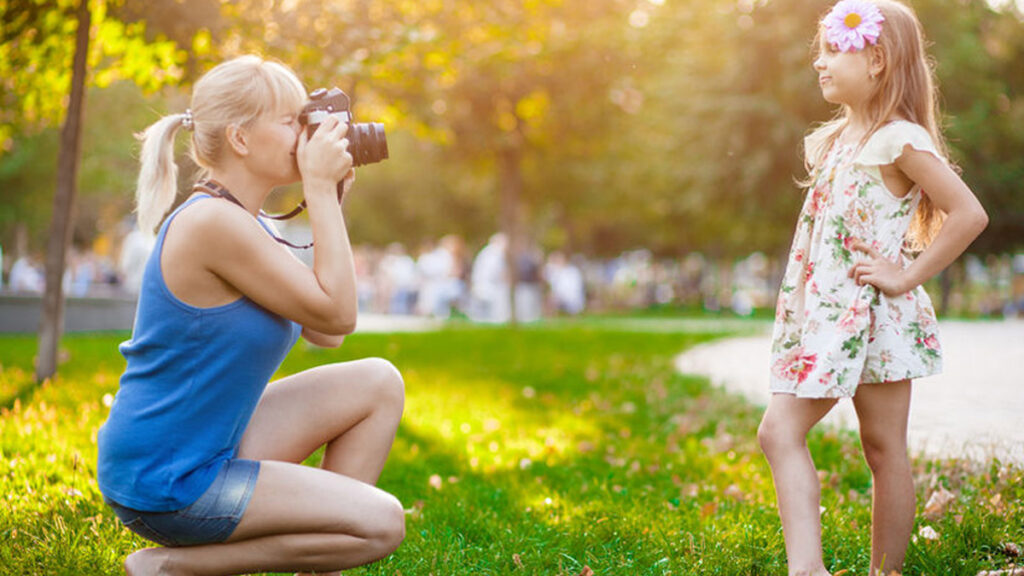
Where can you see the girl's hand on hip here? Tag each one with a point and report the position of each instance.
(324, 157)
(878, 271)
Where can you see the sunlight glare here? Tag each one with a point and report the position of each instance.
(639, 18)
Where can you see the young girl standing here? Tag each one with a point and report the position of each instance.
(852, 319)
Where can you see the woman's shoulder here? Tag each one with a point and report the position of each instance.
(889, 142)
(212, 225)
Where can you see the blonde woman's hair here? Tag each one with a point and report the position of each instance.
(905, 88)
(237, 92)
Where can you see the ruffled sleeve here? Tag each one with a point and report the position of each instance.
(814, 142)
(888, 142)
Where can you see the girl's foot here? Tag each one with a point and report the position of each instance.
(817, 572)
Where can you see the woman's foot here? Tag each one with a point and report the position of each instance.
(148, 562)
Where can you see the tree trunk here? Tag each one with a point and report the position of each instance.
(62, 222)
(511, 175)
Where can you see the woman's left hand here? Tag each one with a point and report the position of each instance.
(878, 271)
(346, 183)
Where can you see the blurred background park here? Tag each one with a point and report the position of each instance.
(630, 164)
(632, 153)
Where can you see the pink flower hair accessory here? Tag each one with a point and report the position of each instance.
(853, 24)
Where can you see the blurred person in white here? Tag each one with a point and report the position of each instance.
(440, 284)
(135, 249)
(398, 280)
(26, 276)
(489, 284)
(568, 295)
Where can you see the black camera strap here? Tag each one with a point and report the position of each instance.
(295, 212)
(214, 188)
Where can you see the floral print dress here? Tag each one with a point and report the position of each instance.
(830, 334)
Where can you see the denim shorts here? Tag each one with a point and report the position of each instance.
(209, 520)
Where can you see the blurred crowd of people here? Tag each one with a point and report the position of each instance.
(95, 271)
(444, 278)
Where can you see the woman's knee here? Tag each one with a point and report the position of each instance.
(388, 530)
(387, 381)
(374, 378)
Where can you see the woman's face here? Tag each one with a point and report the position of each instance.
(843, 76)
(274, 137)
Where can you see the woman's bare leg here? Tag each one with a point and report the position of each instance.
(783, 437)
(883, 411)
(354, 408)
(300, 518)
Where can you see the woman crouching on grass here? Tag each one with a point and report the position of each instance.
(199, 453)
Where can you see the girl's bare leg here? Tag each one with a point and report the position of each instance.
(301, 518)
(783, 437)
(883, 411)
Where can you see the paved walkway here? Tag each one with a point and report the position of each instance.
(974, 409)
(394, 323)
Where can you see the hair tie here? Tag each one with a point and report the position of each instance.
(187, 122)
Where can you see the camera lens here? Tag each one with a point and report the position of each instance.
(367, 143)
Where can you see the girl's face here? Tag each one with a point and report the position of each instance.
(274, 138)
(844, 76)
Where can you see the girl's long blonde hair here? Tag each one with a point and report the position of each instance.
(236, 92)
(906, 88)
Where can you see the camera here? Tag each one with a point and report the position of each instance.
(366, 142)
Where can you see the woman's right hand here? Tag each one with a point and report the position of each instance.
(324, 157)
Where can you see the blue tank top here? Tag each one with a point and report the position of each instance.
(192, 381)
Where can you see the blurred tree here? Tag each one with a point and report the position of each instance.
(979, 54)
(604, 125)
(503, 86)
(39, 88)
(730, 99)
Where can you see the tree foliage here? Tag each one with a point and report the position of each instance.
(673, 125)
(129, 44)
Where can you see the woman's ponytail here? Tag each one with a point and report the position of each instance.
(158, 176)
(235, 92)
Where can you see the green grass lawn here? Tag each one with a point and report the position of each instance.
(542, 450)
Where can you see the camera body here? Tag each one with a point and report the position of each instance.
(367, 142)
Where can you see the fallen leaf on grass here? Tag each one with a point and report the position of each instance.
(1011, 571)
(928, 533)
(938, 504)
(734, 491)
(586, 571)
(517, 560)
(708, 509)
(416, 511)
(996, 503)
